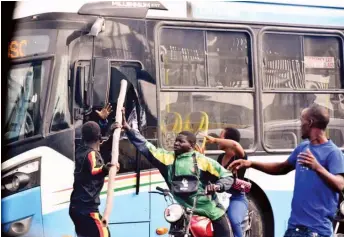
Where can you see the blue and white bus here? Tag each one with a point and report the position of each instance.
(199, 66)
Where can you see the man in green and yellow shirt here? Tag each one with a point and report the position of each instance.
(209, 172)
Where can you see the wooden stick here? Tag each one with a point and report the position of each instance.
(115, 152)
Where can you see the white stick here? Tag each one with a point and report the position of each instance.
(115, 151)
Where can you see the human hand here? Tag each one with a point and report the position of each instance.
(106, 168)
(239, 164)
(104, 112)
(212, 188)
(210, 139)
(105, 220)
(125, 125)
(307, 159)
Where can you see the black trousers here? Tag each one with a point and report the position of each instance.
(88, 224)
(221, 227)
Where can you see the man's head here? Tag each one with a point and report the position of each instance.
(185, 142)
(230, 133)
(313, 118)
(91, 133)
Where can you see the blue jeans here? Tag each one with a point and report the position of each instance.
(301, 232)
(236, 212)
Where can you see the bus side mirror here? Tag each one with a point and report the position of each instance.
(100, 83)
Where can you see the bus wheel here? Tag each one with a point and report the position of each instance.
(257, 221)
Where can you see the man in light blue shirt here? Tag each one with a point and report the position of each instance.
(319, 176)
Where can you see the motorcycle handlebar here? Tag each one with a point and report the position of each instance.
(156, 192)
(160, 189)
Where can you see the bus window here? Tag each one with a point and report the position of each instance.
(82, 71)
(322, 60)
(202, 58)
(294, 63)
(61, 118)
(24, 108)
(301, 62)
(186, 111)
(282, 61)
(183, 57)
(127, 152)
(282, 112)
(210, 59)
(228, 59)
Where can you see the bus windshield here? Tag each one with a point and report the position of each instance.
(24, 99)
(26, 79)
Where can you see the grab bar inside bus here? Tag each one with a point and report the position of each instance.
(203, 125)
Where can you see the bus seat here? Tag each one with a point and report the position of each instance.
(172, 122)
(197, 122)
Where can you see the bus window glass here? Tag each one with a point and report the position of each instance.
(24, 108)
(282, 61)
(81, 82)
(61, 115)
(322, 62)
(228, 59)
(301, 62)
(208, 112)
(282, 117)
(182, 57)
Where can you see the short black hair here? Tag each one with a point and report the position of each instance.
(232, 133)
(91, 132)
(189, 136)
(320, 116)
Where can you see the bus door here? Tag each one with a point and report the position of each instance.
(130, 213)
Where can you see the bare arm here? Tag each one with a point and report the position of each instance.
(336, 182)
(334, 177)
(228, 143)
(277, 168)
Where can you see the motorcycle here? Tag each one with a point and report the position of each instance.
(339, 218)
(185, 224)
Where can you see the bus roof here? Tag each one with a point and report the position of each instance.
(305, 12)
(315, 3)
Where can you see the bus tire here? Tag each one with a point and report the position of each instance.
(257, 219)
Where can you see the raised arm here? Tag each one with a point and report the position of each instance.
(158, 157)
(228, 143)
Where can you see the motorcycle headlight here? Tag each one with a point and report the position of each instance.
(341, 208)
(173, 213)
(20, 178)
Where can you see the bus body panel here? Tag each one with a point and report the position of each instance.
(23, 205)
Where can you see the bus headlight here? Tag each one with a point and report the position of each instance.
(20, 178)
(16, 181)
(173, 213)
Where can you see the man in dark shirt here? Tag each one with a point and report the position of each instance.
(89, 175)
